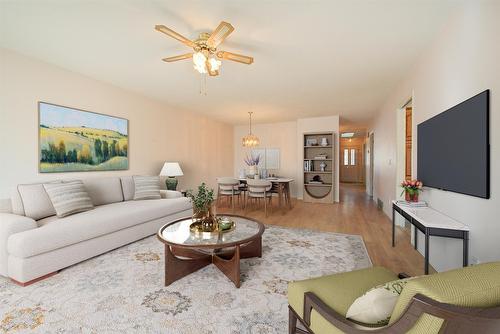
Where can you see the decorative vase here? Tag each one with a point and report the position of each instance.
(411, 197)
(324, 141)
(206, 217)
(252, 170)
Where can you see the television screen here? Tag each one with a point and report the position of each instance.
(453, 148)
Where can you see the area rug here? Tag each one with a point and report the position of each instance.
(122, 291)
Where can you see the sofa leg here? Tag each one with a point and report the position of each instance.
(23, 284)
(292, 322)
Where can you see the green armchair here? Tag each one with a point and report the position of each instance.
(464, 300)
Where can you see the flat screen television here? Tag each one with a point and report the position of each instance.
(453, 148)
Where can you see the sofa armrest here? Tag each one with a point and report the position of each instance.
(170, 194)
(11, 224)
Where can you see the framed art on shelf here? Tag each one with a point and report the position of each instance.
(74, 140)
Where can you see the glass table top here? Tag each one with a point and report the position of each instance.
(178, 233)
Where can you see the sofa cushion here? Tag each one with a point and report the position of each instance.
(104, 190)
(102, 220)
(36, 202)
(16, 202)
(69, 197)
(146, 187)
(128, 187)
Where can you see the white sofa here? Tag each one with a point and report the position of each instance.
(32, 249)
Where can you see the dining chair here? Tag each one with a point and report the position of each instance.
(228, 187)
(259, 189)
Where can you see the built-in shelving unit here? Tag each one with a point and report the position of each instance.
(319, 167)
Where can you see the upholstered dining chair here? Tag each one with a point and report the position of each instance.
(259, 189)
(228, 187)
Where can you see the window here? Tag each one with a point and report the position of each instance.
(353, 157)
(346, 157)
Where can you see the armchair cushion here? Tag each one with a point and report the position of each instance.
(476, 286)
(338, 291)
(377, 304)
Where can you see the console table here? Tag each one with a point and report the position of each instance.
(431, 223)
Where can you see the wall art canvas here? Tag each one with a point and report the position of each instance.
(73, 140)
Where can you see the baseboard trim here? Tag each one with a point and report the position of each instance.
(23, 284)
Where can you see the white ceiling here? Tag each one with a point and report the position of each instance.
(312, 58)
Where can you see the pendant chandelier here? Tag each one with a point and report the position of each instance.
(250, 140)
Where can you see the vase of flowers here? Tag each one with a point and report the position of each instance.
(252, 162)
(411, 189)
(203, 211)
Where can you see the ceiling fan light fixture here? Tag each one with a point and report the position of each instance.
(199, 62)
(214, 64)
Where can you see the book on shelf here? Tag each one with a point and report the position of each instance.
(419, 204)
(320, 156)
(308, 166)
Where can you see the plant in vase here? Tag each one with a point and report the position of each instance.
(252, 163)
(411, 189)
(203, 207)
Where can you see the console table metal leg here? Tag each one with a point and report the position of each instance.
(466, 249)
(393, 228)
(426, 268)
(415, 237)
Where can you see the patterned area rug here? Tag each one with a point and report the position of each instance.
(123, 292)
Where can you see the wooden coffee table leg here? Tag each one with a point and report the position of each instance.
(230, 267)
(176, 268)
(252, 249)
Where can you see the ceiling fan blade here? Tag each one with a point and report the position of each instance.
(235, 57)
(180, 57)
(220, 34)
(173, 34)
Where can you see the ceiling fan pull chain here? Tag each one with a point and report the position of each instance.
(203, 84)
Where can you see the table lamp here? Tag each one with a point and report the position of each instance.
(171, 170)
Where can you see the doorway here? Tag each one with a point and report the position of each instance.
(352, 160)
(408, 141)
(369, 163)
(404, 153)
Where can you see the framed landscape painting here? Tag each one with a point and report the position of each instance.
(73, 140)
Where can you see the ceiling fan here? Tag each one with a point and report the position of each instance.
(205, 54)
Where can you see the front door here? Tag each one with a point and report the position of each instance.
(351, 164)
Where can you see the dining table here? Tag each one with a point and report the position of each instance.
(282, 187)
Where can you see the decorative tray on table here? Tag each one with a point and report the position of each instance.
(220, 227)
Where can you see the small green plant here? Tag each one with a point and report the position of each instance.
(203, 199)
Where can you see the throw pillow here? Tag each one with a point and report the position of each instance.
(36, 202)
(376, 305)
(69, 197)
(147, 187)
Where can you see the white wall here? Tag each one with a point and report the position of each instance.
(463, 61)
(157, 132)
(280, 135)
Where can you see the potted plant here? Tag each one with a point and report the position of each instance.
(203, 207)
(252, 163)
(411, 189)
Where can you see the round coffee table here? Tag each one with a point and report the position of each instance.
(187, 252)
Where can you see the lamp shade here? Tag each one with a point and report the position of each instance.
(171, 169)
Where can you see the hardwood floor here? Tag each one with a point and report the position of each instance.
(355, 214)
